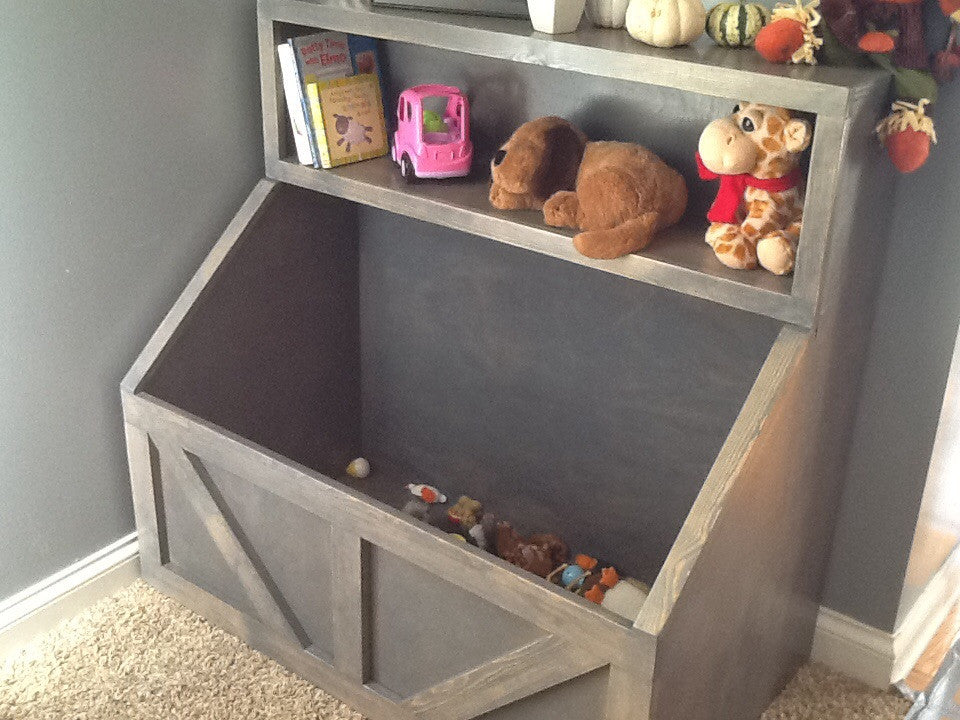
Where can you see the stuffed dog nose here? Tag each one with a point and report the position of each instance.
(498, 158)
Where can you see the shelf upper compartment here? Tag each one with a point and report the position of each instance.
(678, 259)
(702, 67)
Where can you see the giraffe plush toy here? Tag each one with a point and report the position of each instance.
(757, 216)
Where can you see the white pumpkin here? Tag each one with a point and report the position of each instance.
(666, 23)
(607, 13)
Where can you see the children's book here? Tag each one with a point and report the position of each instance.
(296, 105)
(326, 56)
(348, 119)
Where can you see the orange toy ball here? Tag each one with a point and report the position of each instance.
(908, 149)
(586, 562)
(876, 42)
(778, 41)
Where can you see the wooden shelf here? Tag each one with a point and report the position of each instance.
(678, 259)
(702, 67)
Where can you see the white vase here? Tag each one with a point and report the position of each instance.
(555, 16)
(607, 13)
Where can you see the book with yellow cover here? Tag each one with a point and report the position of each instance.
(348, 119)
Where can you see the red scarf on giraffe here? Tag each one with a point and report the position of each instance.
(732, 187)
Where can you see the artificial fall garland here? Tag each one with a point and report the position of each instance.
(889, 33)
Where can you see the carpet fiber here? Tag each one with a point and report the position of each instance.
(142, 656)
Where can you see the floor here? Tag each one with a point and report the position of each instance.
(141, 656)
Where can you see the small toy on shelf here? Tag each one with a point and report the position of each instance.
(618, 194)
(758, 213)
(484, 532)
(427, 493)
(466, 512)
(426, 145)
(736, 24)
(358, 468)
(539, 553)
(907, 133)
(665, 23)
(791, 35)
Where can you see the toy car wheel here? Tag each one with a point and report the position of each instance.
(406, 169)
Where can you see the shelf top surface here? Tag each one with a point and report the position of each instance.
(703, 67)
(678, 259)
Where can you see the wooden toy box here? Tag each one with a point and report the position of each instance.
(678, 418)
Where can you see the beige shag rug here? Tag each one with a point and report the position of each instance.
(141, 656)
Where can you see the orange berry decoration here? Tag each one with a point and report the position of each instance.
(586, 562)
(791, 37)
(877, 42)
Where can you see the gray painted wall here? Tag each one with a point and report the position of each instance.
(908, 360)
(129, 135)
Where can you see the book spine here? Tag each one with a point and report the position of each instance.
(288, 72)
(316, 113)
(302, 92)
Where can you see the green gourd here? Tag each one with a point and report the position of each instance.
(736, 24)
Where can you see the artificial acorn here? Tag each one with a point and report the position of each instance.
(907, 133)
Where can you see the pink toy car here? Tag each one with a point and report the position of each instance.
(430, 144)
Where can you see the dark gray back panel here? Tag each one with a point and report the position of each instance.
(270, 350)
(503, 95)
(563, 398)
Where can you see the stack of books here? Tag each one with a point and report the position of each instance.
(332, 85)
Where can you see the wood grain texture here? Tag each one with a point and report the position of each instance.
(147, 498)
(742, 626)
(541, 664)
(702, 68)
(258, 588)
(706, 510)
(821, 196)
(628, 695)
(350, 590)
(485, 575)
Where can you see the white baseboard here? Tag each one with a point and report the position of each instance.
(853, 648)
(62, 595)
(880, 658)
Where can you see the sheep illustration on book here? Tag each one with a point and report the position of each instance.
(351, 132)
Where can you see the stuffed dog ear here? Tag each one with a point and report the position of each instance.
(541, 157)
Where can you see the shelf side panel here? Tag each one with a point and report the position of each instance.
(745, 615)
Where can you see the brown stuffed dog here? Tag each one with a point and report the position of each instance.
(541, 157)
(622, 195)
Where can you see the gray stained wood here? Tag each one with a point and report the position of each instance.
(318, 329)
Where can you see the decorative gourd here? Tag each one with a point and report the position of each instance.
(736, 24)
(607, 13)
(665, 23)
